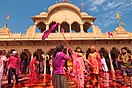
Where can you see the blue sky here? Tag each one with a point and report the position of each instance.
(105, 11)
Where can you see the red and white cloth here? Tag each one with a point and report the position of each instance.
(109, 34)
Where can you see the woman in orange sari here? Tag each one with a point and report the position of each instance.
(95, 59)
(33, 69)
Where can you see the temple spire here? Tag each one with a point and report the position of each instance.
(44, 9)
(5, 25)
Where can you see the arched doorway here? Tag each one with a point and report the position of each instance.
(48, 67)
(86, 26)
(65, 26)
(75, 27)
(39, 53)
(41, 26)
(25, 56)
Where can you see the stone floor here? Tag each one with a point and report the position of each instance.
(106, 81)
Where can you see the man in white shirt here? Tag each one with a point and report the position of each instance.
(2, 59)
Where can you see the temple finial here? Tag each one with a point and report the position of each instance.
(5, 25)
(44, 9)
(66, 1)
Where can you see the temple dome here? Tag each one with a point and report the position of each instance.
(5, 30)
(43, 14)
(120, 29)
(84, 14)
(63, 5)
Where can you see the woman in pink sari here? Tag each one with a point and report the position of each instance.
(33, 69)
(79, 67)
(95, 60)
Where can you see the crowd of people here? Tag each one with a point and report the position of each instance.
(12, 65)
(96, 60)
(74, 62)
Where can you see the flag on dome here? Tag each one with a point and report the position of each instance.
(118, 16)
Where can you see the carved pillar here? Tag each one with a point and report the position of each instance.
(47, 26)
(32, 52)
(59, 29)
(44, 56)
(36, 23)
(70, 28)
(81, 27)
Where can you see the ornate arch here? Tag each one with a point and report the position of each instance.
(51, 24)
(41, 26)
(75, 27)
(86, 26)
(65, 26)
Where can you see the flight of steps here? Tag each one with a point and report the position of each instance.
(21, 78)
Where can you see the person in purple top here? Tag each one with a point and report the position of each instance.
(59, 79)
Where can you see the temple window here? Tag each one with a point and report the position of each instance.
(65, 26)
(86, 26)
(75, 27)
(51, 24)
(41, 26)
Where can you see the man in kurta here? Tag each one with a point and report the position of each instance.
(125, 63)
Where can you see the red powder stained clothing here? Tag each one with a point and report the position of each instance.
(33, 70)
(95, 60)
(78, 69)
(58, 63)
(13, 62)
(122, 87)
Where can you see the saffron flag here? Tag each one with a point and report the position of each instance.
(8, 17)
(46, 33)
(121, 23)
(118, 16)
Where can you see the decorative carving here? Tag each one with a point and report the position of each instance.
(5, 30)
(121, 30)
(97, 32)
(31, 30)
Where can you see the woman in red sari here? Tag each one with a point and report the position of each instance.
(33, 69)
